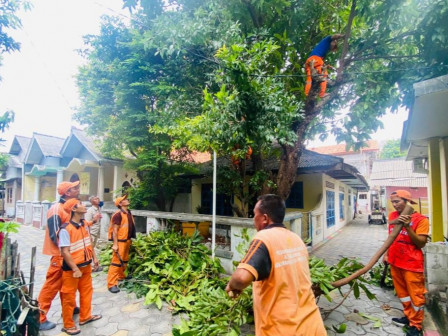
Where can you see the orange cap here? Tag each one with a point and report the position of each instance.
(119, 199)
(63, 187)
(69, 204)
(403, 194)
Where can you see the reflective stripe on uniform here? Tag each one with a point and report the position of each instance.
(405, 299)
(417, 308)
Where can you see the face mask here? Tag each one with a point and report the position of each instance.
(101, 204)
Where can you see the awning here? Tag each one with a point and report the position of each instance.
(428, 117)
(39, 170)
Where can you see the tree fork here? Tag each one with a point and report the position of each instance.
(291, 154)
(408, 210)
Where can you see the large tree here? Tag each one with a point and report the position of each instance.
(391, 150)
(228, 76)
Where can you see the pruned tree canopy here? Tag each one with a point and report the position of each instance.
(228, 76)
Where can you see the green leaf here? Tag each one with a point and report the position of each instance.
(356, 290)
(341, 329)
(377, 321)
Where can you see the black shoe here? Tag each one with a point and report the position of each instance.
(47, 325)
(76, 311)
(114, 289)
(413, 331)
(401, 322)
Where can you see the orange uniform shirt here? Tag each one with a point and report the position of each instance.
(284, 303)
(403, 253)
(56, 216)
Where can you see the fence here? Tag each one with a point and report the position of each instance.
(228, 229)
(32, 213)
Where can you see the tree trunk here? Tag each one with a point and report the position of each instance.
(287, 171)
(291, 154)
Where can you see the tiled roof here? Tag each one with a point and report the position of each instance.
(309, 159)
(186, 156)
(23, 141)
(19, 145)
(431, 85)
(310, 162)
(396, 172)
(87, 141)
(50, 145)
(14, 161)
(340, 149)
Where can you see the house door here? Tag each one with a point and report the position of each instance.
(330, 209)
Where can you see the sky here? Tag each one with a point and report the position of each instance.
(38, 82)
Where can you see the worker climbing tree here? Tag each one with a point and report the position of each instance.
(316, 61)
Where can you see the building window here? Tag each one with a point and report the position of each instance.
(349, 200)
(362, 196)
(330, 209)
(184, 186)
(341, 206)
(223, 202)
(9, 195)
(295, 199)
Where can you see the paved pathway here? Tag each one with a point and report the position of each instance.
(123, 314)
(359, 240)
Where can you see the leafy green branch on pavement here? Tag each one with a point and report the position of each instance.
(178, 270)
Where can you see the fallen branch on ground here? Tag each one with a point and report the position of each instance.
(408, 210)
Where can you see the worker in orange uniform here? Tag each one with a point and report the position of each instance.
(78, 253)
(121, 231)
(56, 216)
(317, 55)
(406, 259)
(277, 265)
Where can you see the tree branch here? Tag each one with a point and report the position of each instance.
(398, 37)
(255, 18)
(342, 61)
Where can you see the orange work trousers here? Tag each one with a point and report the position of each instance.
(410, 288)
(68, 296)
(318, 64)
(51, 287)
(116, 270)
